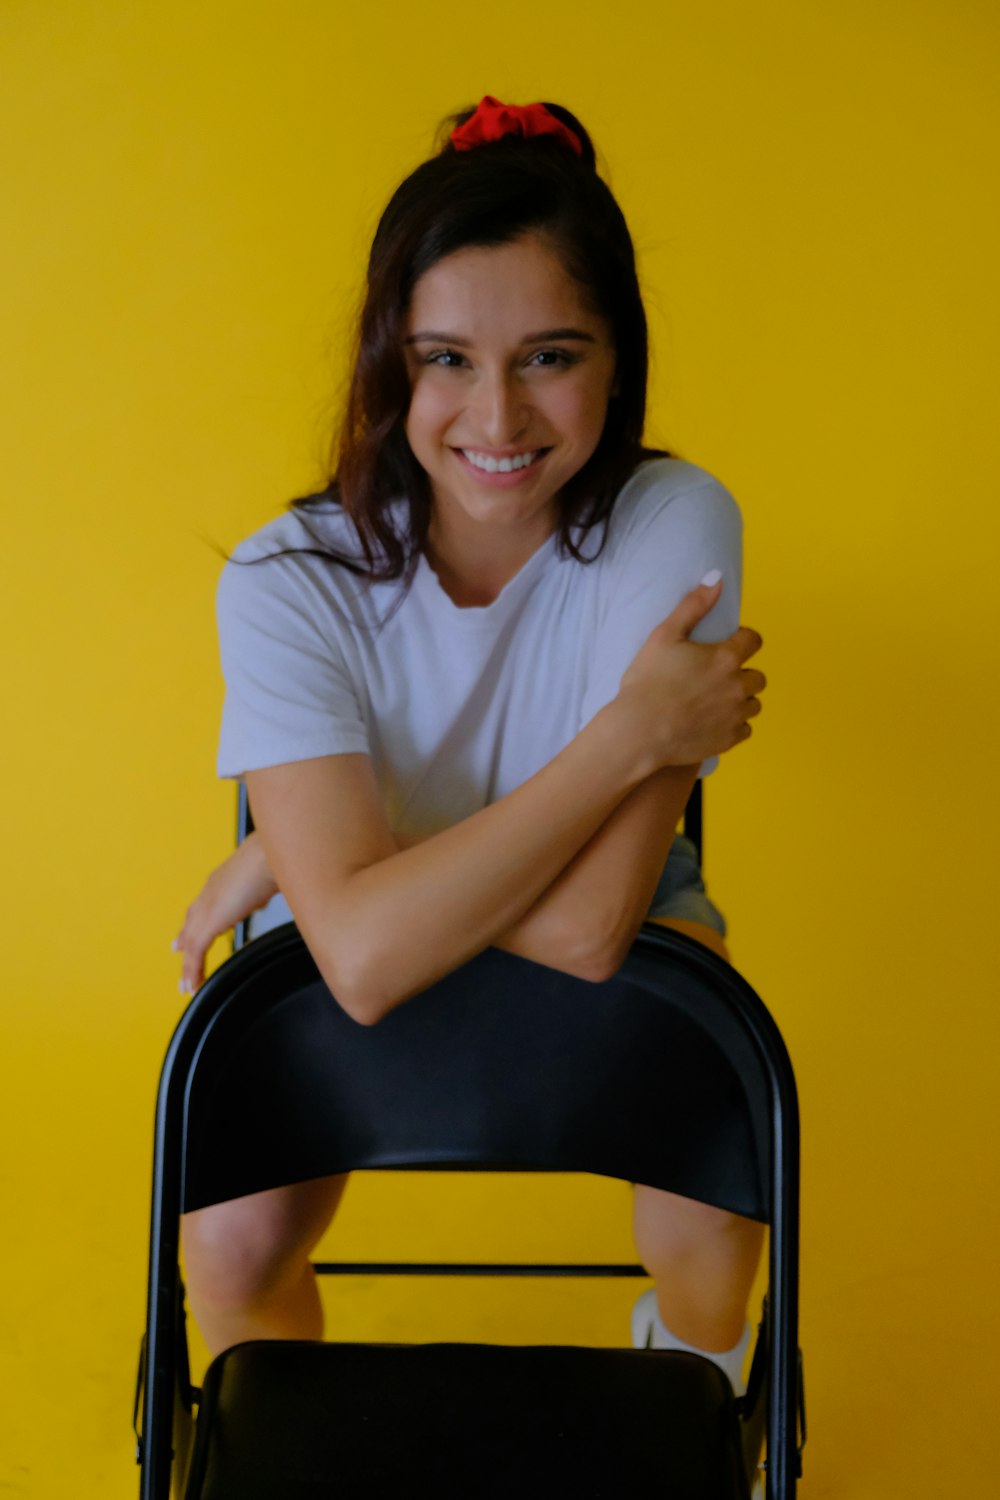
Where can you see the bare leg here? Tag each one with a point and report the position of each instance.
(247, 1263)
(702, 1259)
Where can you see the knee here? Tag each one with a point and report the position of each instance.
(238, 1255)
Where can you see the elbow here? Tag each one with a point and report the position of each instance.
(599, 966)
(596, 955)
(351, 983)
(365, 1004)
(352, 961)
(362, 1008)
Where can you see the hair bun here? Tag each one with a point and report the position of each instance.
(492, 122)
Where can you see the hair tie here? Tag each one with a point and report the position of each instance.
(493, 120)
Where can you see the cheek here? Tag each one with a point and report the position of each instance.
(429, 413)
(583, 411)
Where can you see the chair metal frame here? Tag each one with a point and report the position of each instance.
(774, 1400)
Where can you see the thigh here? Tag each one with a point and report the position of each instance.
(276, 1224)
(700, 931)
(667, 1218)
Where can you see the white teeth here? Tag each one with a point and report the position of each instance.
(499, 465)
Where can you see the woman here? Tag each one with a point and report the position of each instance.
(471, 684)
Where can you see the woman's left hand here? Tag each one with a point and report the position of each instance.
(241, 885)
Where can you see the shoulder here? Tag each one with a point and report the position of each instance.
(673, 494)
(322, 526)
(291, 563)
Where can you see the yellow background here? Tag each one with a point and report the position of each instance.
(188, 191)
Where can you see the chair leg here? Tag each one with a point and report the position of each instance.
(754, 1404)
(185, 1400)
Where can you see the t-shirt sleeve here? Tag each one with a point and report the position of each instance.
(667, 544)
(289, 693)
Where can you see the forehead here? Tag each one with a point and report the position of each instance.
(500, 286)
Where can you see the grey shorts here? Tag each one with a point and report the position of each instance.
(273, 914)
(680, 891)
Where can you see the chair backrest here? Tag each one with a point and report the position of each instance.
(651, 1076)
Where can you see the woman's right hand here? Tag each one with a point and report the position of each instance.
(242, 884)
(690, 700)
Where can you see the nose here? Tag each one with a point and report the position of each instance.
(503, 411)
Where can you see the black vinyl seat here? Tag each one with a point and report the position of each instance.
(672, 1073)
(466, 1420)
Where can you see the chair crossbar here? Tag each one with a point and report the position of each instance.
(469, 1268)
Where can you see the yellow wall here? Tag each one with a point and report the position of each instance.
(188, 191)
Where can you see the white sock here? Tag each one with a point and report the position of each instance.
(650, 1332)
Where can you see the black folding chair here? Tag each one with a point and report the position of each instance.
(672, 1073)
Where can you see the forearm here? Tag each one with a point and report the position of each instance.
(404, 919)
(587, 919)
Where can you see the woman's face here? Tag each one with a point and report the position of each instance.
(510, 376)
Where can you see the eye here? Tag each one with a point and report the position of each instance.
(552, 359)
(448, 359)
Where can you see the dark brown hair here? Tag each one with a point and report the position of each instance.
(490, 195)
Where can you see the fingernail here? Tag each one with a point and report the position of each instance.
(175, 945)
(711, 577)
(184, 986)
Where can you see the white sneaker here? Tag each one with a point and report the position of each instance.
(645, 1314)
(649, 1332)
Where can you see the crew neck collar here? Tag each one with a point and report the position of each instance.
(485, 616)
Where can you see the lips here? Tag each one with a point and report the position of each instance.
(502, 463)
(486, 468)
(501, 469)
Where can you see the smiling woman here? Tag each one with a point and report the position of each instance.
(471, 683)
(476, 195)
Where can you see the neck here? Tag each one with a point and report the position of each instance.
(472, 586)
(474, 569)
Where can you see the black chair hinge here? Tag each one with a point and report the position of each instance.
(140, 1378)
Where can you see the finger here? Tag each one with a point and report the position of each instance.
(692, 608)
(753, 682)
(744, 642)
(193, 951)
(752, 707)
(185, 982)
(193, 974)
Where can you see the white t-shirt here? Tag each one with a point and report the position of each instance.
(455, 706)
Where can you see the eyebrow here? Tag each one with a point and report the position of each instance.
(548, 336)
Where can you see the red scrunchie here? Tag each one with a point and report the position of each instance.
(493, 120)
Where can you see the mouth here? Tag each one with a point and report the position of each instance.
(503, 468)
(504, 463)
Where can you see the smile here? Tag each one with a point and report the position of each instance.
(506, 465)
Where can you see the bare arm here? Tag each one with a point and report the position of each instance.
(587, 919)
(584, 923)
(383, 925)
